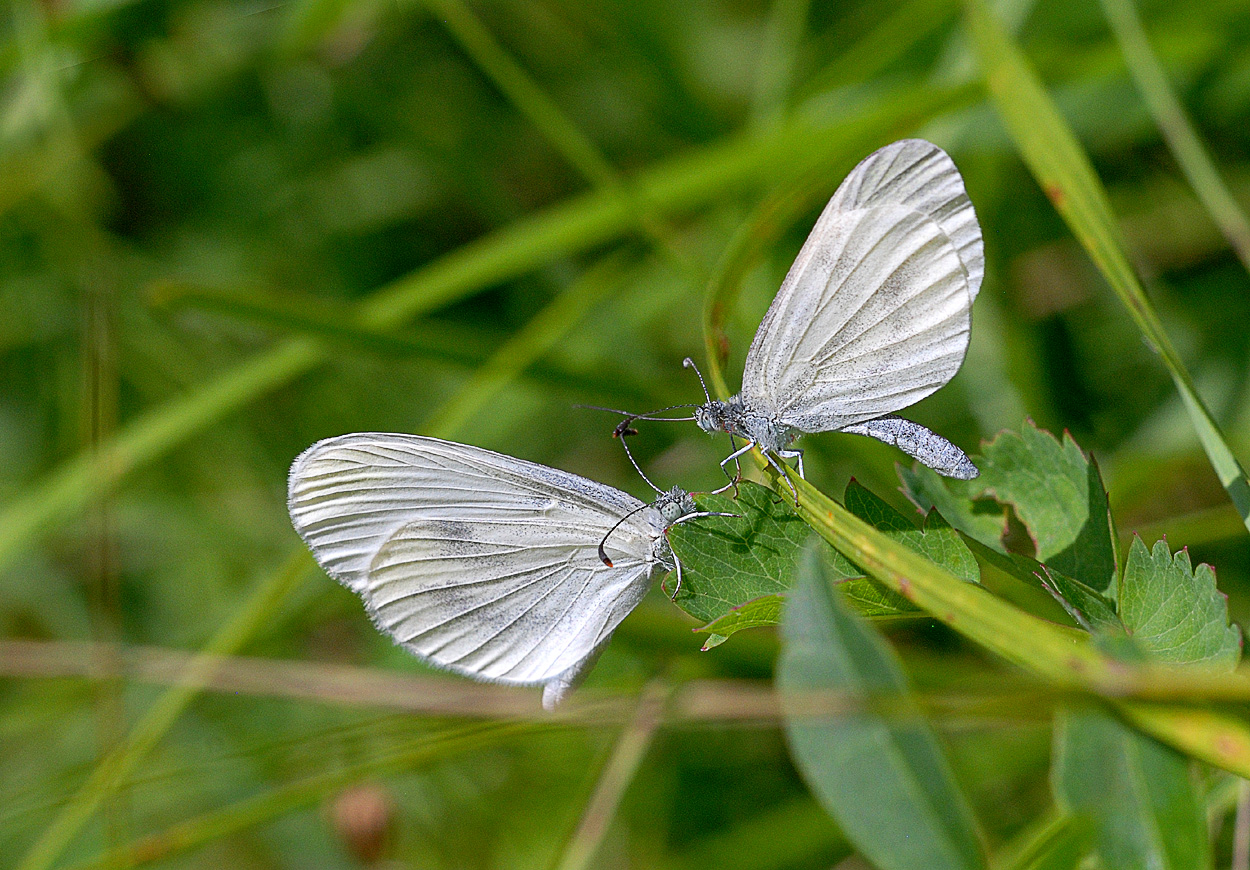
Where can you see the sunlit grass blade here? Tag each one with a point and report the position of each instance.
(1177, 128)
(678, 186)
(1057, 160)
(257, 611)
(200, 830)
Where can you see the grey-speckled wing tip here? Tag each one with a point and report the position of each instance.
(922, 444)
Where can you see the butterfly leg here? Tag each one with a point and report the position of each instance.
(785, 475)
(734, 458)
(677, 571)
(794, 454)
(737, 475)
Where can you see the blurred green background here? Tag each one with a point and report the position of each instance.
(230, 229)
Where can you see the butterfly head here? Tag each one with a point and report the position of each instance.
(675, 504)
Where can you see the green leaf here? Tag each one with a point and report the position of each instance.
(728, 561)
(1090, 608)
(884, 778)
(1174, 611)
(1064, 172)
(1138, 793)
(937, 539)
(959, 503)
(765, 610)
(735, 569)
(1058, 494)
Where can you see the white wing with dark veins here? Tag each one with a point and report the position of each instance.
(874, 315)
(477, 562)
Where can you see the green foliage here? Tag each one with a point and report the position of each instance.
(937, 541)
(737, 569)
(228, 231)
(874, 762)
(1141, 795)
(729, 561)
(1058, 494)
(1174, 611)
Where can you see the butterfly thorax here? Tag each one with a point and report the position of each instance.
(741, 420)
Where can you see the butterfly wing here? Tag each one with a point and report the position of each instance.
(874, 315)
(475, 561)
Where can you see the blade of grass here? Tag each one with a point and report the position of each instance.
(787, 20)
(677, 186)
(617, 774)
(545, 114)
(1062, 168)
(1177, 127)
(523, 92)
(187, 835)
(458, 344)
(1055, 836)
(1064, 658)
(160, 717)
(906, 25)
(535, 339)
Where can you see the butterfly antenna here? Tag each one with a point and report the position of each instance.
(689, 364)
(629, 453)
(603, 554)
(646, 415)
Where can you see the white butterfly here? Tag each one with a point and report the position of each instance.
(487, 565)
(873, 316)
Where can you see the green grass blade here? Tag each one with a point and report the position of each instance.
(524, 92)
(681, 185)
(1063, 657)
(198, 831)
(535, 339)
(156, 722)
(627, 756)
(1062, 168)
(1177, 128)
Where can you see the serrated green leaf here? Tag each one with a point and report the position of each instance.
(728, 561)
(1090, 608)
(1174, 611)
(1138, 793)
(735, 570)
(884, 778)
(937, 539)
(1064, 171)
(873, 601)
(959, 503)
(1058, 494)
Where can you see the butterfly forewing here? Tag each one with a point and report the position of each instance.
(920, 176)
(478, 562)
(875, 313)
